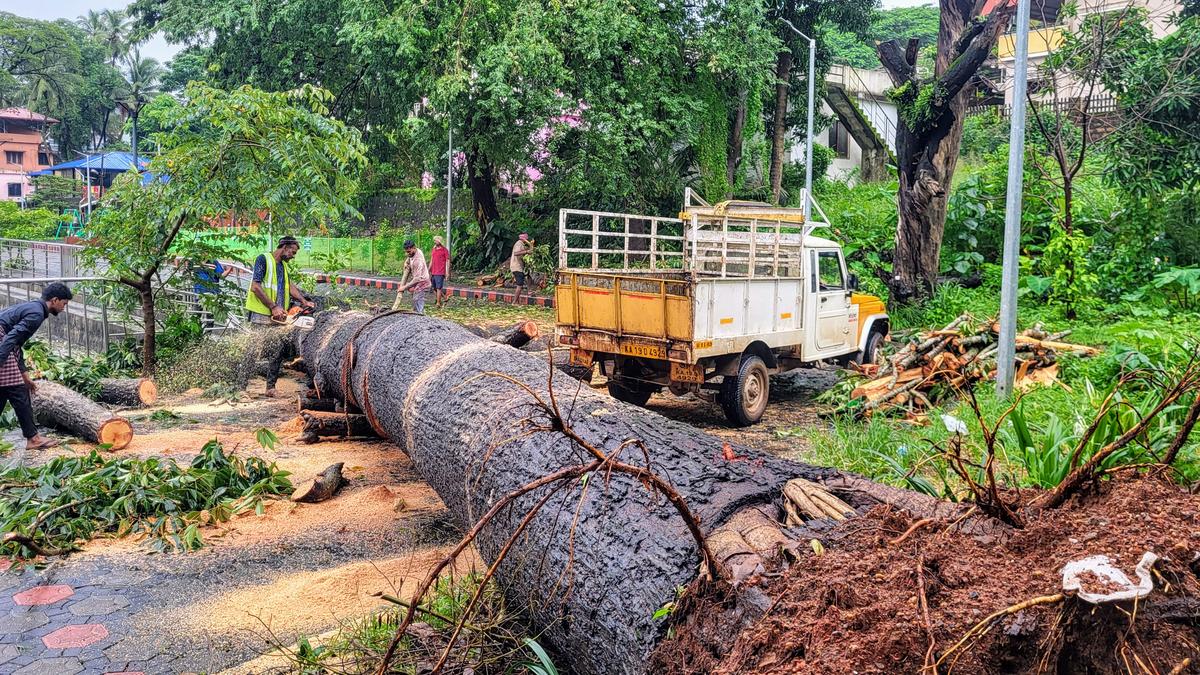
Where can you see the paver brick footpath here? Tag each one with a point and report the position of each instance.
(54, 622)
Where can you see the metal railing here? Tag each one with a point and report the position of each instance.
(91, 322)
(867, 99)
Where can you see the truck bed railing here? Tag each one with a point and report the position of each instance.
(739, 239)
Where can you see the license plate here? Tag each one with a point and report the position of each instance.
(644, 351)
(684, 372)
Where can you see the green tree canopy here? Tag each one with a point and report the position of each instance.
(247, 152)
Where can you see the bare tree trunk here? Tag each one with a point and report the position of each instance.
(733, 153)
(928, 134)
(149, 332)
(483, 190)
(783, 74)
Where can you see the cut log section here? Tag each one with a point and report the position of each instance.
(517, 336)
(322, 487)
(320, 404)
(128, 392)
(336, 424)
(593, 566)
(57, 406)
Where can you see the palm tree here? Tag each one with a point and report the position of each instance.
(142, 77)
(112, 28)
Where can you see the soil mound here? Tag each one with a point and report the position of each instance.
(869, 604)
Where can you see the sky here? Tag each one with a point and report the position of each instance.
(72, 9)
(158, 47)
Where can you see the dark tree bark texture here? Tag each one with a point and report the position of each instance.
(928, 133)
(604, 554)
(482, 181)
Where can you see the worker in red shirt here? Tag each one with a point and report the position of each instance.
(439, 270)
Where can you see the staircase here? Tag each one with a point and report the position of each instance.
(842, 92)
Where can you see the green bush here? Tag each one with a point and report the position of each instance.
(18, 223)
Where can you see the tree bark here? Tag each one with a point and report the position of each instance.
(605, 554)
(133, 392)
(483, 190)
(927, 154)
(783, 75)
(57, 406)
(336, 424)
(149, 331)
(733, 153)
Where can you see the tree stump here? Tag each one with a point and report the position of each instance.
(320, 488)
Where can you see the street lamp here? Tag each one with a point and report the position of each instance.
(808, 142)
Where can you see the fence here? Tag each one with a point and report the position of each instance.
(367, 254)
(91, 322)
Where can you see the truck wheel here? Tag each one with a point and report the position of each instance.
(744, 396)
(870, 351)
(628, 394)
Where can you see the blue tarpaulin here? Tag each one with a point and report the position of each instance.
(115, 162)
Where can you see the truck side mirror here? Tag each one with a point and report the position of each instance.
(853, 282)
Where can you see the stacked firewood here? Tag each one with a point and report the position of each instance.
(931, 366)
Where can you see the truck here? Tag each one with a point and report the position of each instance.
(710, 303)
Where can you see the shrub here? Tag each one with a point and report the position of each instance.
(18, 223)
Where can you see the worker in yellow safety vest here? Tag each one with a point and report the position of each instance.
(270, 295)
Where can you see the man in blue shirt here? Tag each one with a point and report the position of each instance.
(208, 282)
(17, 324)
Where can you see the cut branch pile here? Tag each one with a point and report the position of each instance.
(938, 363)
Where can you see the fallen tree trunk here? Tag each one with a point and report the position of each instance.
(57, 406)
(130, 392)
(601, 557)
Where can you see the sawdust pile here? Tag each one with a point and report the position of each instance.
(313, 601)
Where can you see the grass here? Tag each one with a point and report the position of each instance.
(1133, 335)
(496, 642)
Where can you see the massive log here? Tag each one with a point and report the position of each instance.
(132, 392)
(57, 406)
(604, 554)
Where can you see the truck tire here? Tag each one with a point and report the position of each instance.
(870, 351)
(744, 396)
(629, 393)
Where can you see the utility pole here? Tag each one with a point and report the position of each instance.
(1005, 358)
(808, 138)
(449, 175)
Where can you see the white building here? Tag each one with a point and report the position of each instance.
(863, 134)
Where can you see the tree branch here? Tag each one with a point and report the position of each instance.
(895, 62)
(972, 56)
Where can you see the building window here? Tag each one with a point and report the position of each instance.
(14, 189)
(839, 141)
(13, 157)
(43, 158)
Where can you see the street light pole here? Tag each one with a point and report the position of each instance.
(449, 175)
(1005, 357)
(808, 139)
